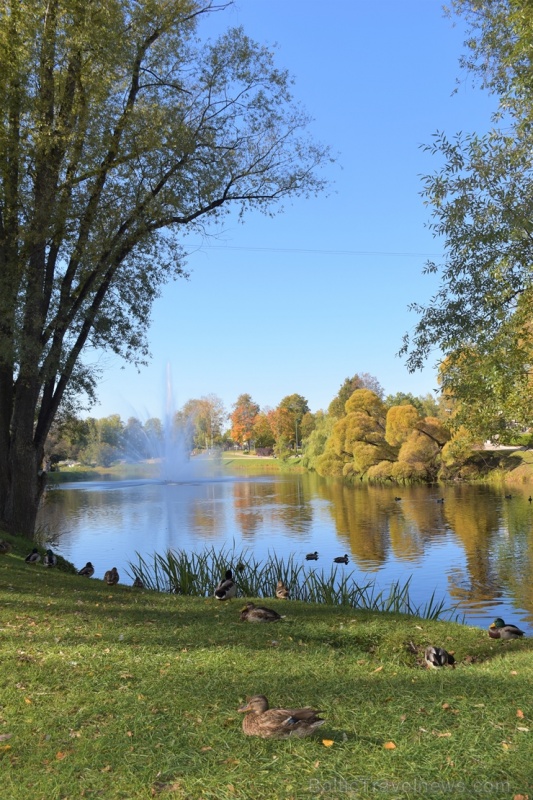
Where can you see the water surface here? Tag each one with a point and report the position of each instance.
(468, 544)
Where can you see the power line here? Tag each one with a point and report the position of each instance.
(314, 251)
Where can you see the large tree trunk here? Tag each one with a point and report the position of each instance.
(22, 480)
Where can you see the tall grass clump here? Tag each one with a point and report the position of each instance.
(198, 574)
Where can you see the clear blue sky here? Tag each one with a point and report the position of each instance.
(297, 303)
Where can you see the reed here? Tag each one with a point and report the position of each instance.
(197, 575)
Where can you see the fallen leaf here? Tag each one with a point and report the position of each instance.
(316, 764)
(5, 736)
(107, 768)
(378, 669)
(28, 700)
(521, 728)
(205, 749)
(389, 746)
(513, 672)
(520, 714)
(60, 755)
(444, 735)
(5, 747)
(445, 706)
(521, 797)
(328, 742)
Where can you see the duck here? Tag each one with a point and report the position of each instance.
(440, 500)
(34, 557)
(227, 588)
(5, 547)
(341, 559)
(111, 577)
(253, 613)
(137, 583)
(87, 571)
(50, 559)
(282, 591)
(278, 723)
(437, 657)
(397, 499)
(312, 556)
(499, 630)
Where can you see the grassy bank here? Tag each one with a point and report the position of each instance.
(121, 693)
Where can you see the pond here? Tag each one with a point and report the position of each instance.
(471, 545)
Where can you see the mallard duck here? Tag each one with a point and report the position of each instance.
(227, 588)
(34, 557)
(312, 556)
(278, 723)
(253, 613)
(137, 583)
(111, 577)
(282, 591)
(87, 571)
(5, 547)
(50, 559)
(397, 499)
(341, 559)
(499, 630)
(438, 657)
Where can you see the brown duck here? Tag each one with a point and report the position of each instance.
(278, 723)
(253, 613)
(111, 577)
(282, 591)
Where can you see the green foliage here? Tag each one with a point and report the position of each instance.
(121, 131)
(481, 199)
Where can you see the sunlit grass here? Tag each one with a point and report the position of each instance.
(116, 693)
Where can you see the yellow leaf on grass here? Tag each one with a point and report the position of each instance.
(5, 747)
(378, 669)
(60, 755)
(520, 714)
(389, 746)
(328, 742)
(28, 700)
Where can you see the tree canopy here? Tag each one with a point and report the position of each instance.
(119, 131)
(481, 202)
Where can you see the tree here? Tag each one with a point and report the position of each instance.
(118, 131)
(204, 417)
(350, 385)
(242, 418)
(289, 415)
(262, 433)
(481, 201)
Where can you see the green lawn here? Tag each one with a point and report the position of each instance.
(120, 693)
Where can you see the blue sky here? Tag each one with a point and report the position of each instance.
(297, 303)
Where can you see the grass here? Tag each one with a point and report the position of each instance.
(120, 693)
